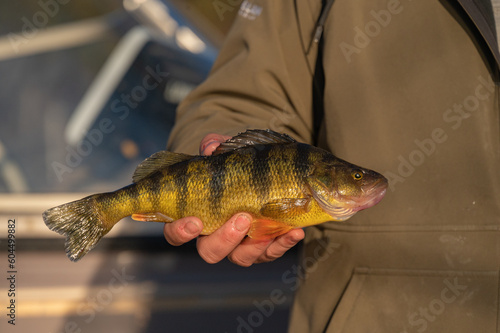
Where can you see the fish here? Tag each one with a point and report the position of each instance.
(283, 184)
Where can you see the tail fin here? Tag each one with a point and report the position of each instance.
(82, 224)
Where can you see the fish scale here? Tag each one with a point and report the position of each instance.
(281, 183)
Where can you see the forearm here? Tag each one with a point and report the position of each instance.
(256, 82)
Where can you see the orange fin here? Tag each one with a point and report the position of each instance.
(263, 229)
(152, 217)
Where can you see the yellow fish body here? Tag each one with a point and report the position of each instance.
(281, 183)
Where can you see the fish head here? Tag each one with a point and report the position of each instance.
(344, 189)
(359, 188)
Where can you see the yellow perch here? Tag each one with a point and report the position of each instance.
(282, 183)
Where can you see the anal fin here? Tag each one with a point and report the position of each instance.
(152, 217)
(264, 229)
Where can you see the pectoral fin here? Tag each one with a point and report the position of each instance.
(152, 217)
(263, 229)
(286, 208)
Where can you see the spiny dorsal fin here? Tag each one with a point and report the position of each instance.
(157, 161)
(251, 138)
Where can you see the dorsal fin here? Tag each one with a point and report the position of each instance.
(251, 138)
(157, 161)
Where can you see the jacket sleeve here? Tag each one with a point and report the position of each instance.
(262, 78)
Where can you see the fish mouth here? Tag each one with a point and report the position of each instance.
(373, 200)
(345, 207)
(373, 195)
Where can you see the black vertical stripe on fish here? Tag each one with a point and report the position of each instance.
(130, 192)
(301, 159)
(181, 183)
(135, 193)
(261, 170)
(155, 183)
(217, 182)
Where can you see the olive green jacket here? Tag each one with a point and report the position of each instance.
(409, 92)
(263, 75)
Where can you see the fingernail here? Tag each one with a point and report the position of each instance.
(242, 223)
(192, 228)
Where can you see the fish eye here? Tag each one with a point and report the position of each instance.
(357, 175)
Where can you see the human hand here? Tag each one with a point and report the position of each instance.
(229, 240)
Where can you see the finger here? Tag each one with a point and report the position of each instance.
(210, 142)
(280, 245)
(249, 251)
(215, 247)
(182, 230)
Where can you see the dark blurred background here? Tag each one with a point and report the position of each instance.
(88, 89)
